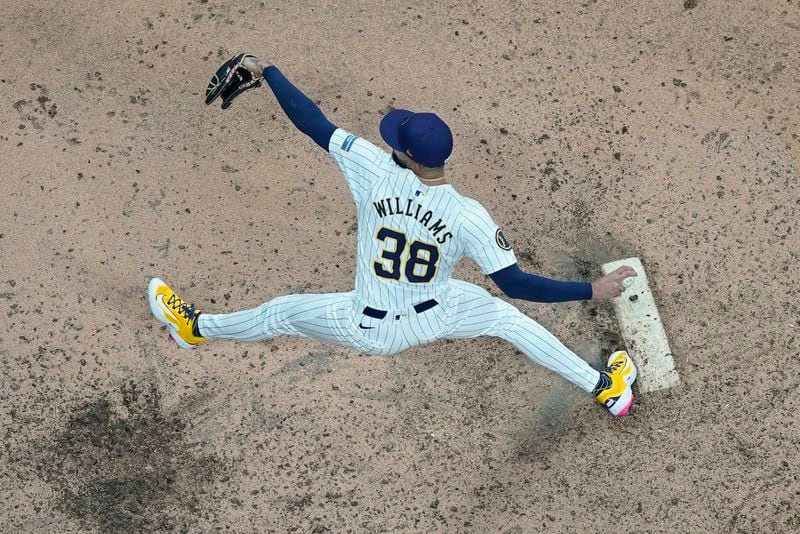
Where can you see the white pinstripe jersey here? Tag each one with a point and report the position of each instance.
(410, 236)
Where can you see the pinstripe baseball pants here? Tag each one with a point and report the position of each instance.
(465, 311)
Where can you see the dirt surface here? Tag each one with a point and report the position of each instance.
(592, 131)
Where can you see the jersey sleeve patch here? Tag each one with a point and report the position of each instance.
(502, 242)
(348, 142)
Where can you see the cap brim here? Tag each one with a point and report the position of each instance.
(390, 127)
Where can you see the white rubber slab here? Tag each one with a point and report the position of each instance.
(643, 331)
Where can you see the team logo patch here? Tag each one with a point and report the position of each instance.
(502, 242)
(348, 142)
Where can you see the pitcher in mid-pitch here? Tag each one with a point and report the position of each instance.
(413, 227)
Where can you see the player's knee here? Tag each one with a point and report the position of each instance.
(507, 316)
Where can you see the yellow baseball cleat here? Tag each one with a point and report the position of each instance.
(614, 391)
(177, 314)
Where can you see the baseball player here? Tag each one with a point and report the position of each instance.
(413, 227)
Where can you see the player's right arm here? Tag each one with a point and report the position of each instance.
(518, 284)
(487, 245)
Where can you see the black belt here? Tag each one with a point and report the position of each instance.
(419, 308)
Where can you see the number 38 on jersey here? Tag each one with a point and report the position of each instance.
(417, 264)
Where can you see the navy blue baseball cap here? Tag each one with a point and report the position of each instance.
(423, 137)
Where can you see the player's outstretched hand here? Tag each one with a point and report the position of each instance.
(612, 285)
(240, 73)
(255, 65)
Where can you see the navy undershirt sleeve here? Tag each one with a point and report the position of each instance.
(518, 284)
(303, 113)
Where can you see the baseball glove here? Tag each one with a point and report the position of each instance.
(231, 80)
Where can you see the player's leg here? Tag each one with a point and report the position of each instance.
(478, 313)
(474, 312)
(325, 317)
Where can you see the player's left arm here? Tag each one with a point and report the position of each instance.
(361, 162)
(300, 109)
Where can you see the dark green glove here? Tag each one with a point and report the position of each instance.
(231, 80)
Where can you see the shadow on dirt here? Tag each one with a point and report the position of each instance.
(129, 467)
